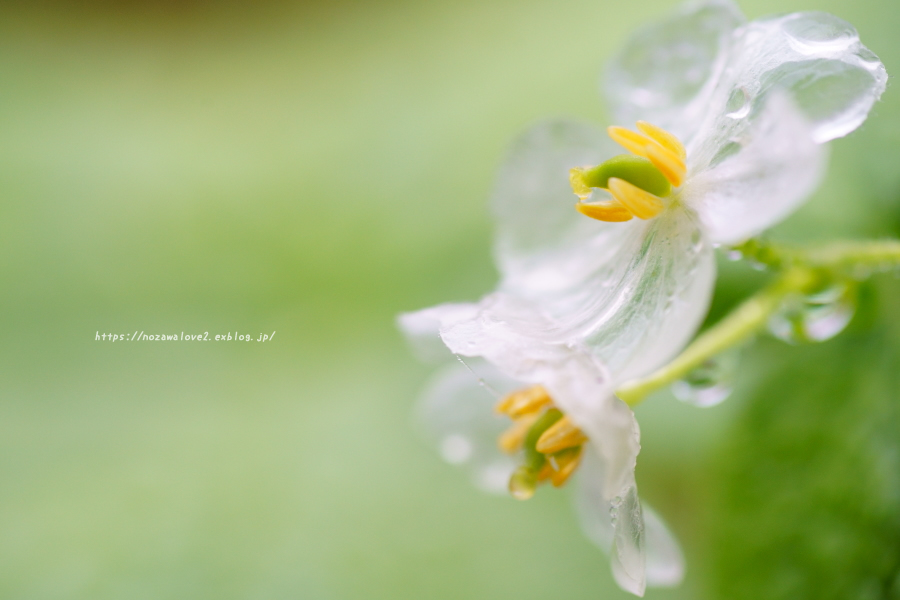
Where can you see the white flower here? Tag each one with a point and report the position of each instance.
(740, 111)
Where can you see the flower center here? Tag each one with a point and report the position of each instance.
(638, 181)
(550, 442)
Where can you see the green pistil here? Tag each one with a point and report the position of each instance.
(636, 170)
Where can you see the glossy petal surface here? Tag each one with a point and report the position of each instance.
(667, 70)
(456, 416)
(814, 58)
(761, 178)
(568, 279)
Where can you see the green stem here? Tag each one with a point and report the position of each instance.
(802, 270)
(745, 320)
(853, 254)
(837, 255)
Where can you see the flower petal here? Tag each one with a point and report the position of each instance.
(633, 300)
(614, 524)
(770, 171)
(813, 57)
(642, 541)
(665, 561)
(641, 309)
(455, 414)
(533, 203)
(422, 329)
(665, 71)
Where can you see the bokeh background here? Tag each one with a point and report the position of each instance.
(314, 169)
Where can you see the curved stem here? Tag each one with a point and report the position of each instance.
(744, 321)
(854, 254)
(802, 269)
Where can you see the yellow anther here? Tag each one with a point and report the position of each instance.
(630, 140)
(640, 203)
(663, 138)
(563, 465)
(576, 180)
(510, 441)
(668, 164)
(523, 402)
(561, 435)
(609, 210)
(546, 472)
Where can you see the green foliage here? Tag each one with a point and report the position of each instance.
(810, 488)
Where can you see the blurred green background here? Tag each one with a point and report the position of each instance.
(314, 169)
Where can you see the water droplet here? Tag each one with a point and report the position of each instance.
(696, 240)
(726, 151)
(456, 449)
(818, 33)
(738, 105)
(734, 255)
(710, 383)
(522, 483)
(817, 317)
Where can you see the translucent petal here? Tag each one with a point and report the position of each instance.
(665, 561)
(763, 176)
(666, 71)
(456, 416)
(613, 522)
(813, 57)
(422, 329)
(637, 306)
(606, 521)
(533, 202)
(567, 278)
(591, 503)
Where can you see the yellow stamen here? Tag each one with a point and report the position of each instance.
(663, 138)
(609, 210)
(640, 203)
(510, 441)
(576, 180)
(563, 465)
(546, 472)
(630, 140)
(668, 164)
(526, 401)
(561, 435)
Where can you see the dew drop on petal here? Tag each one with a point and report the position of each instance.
(710, 383)
(818, 32)
(738, 105)
(817, 317)
(456, 449)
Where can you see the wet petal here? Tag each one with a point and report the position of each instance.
(629, 554)
(422, 329)
(635, 533)
(636, 305)
(768, 173)
(640, 309)
(614, 523)
(666, 71)
(665, 561)
(813, 57)
(533, 203)
(456, 416)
